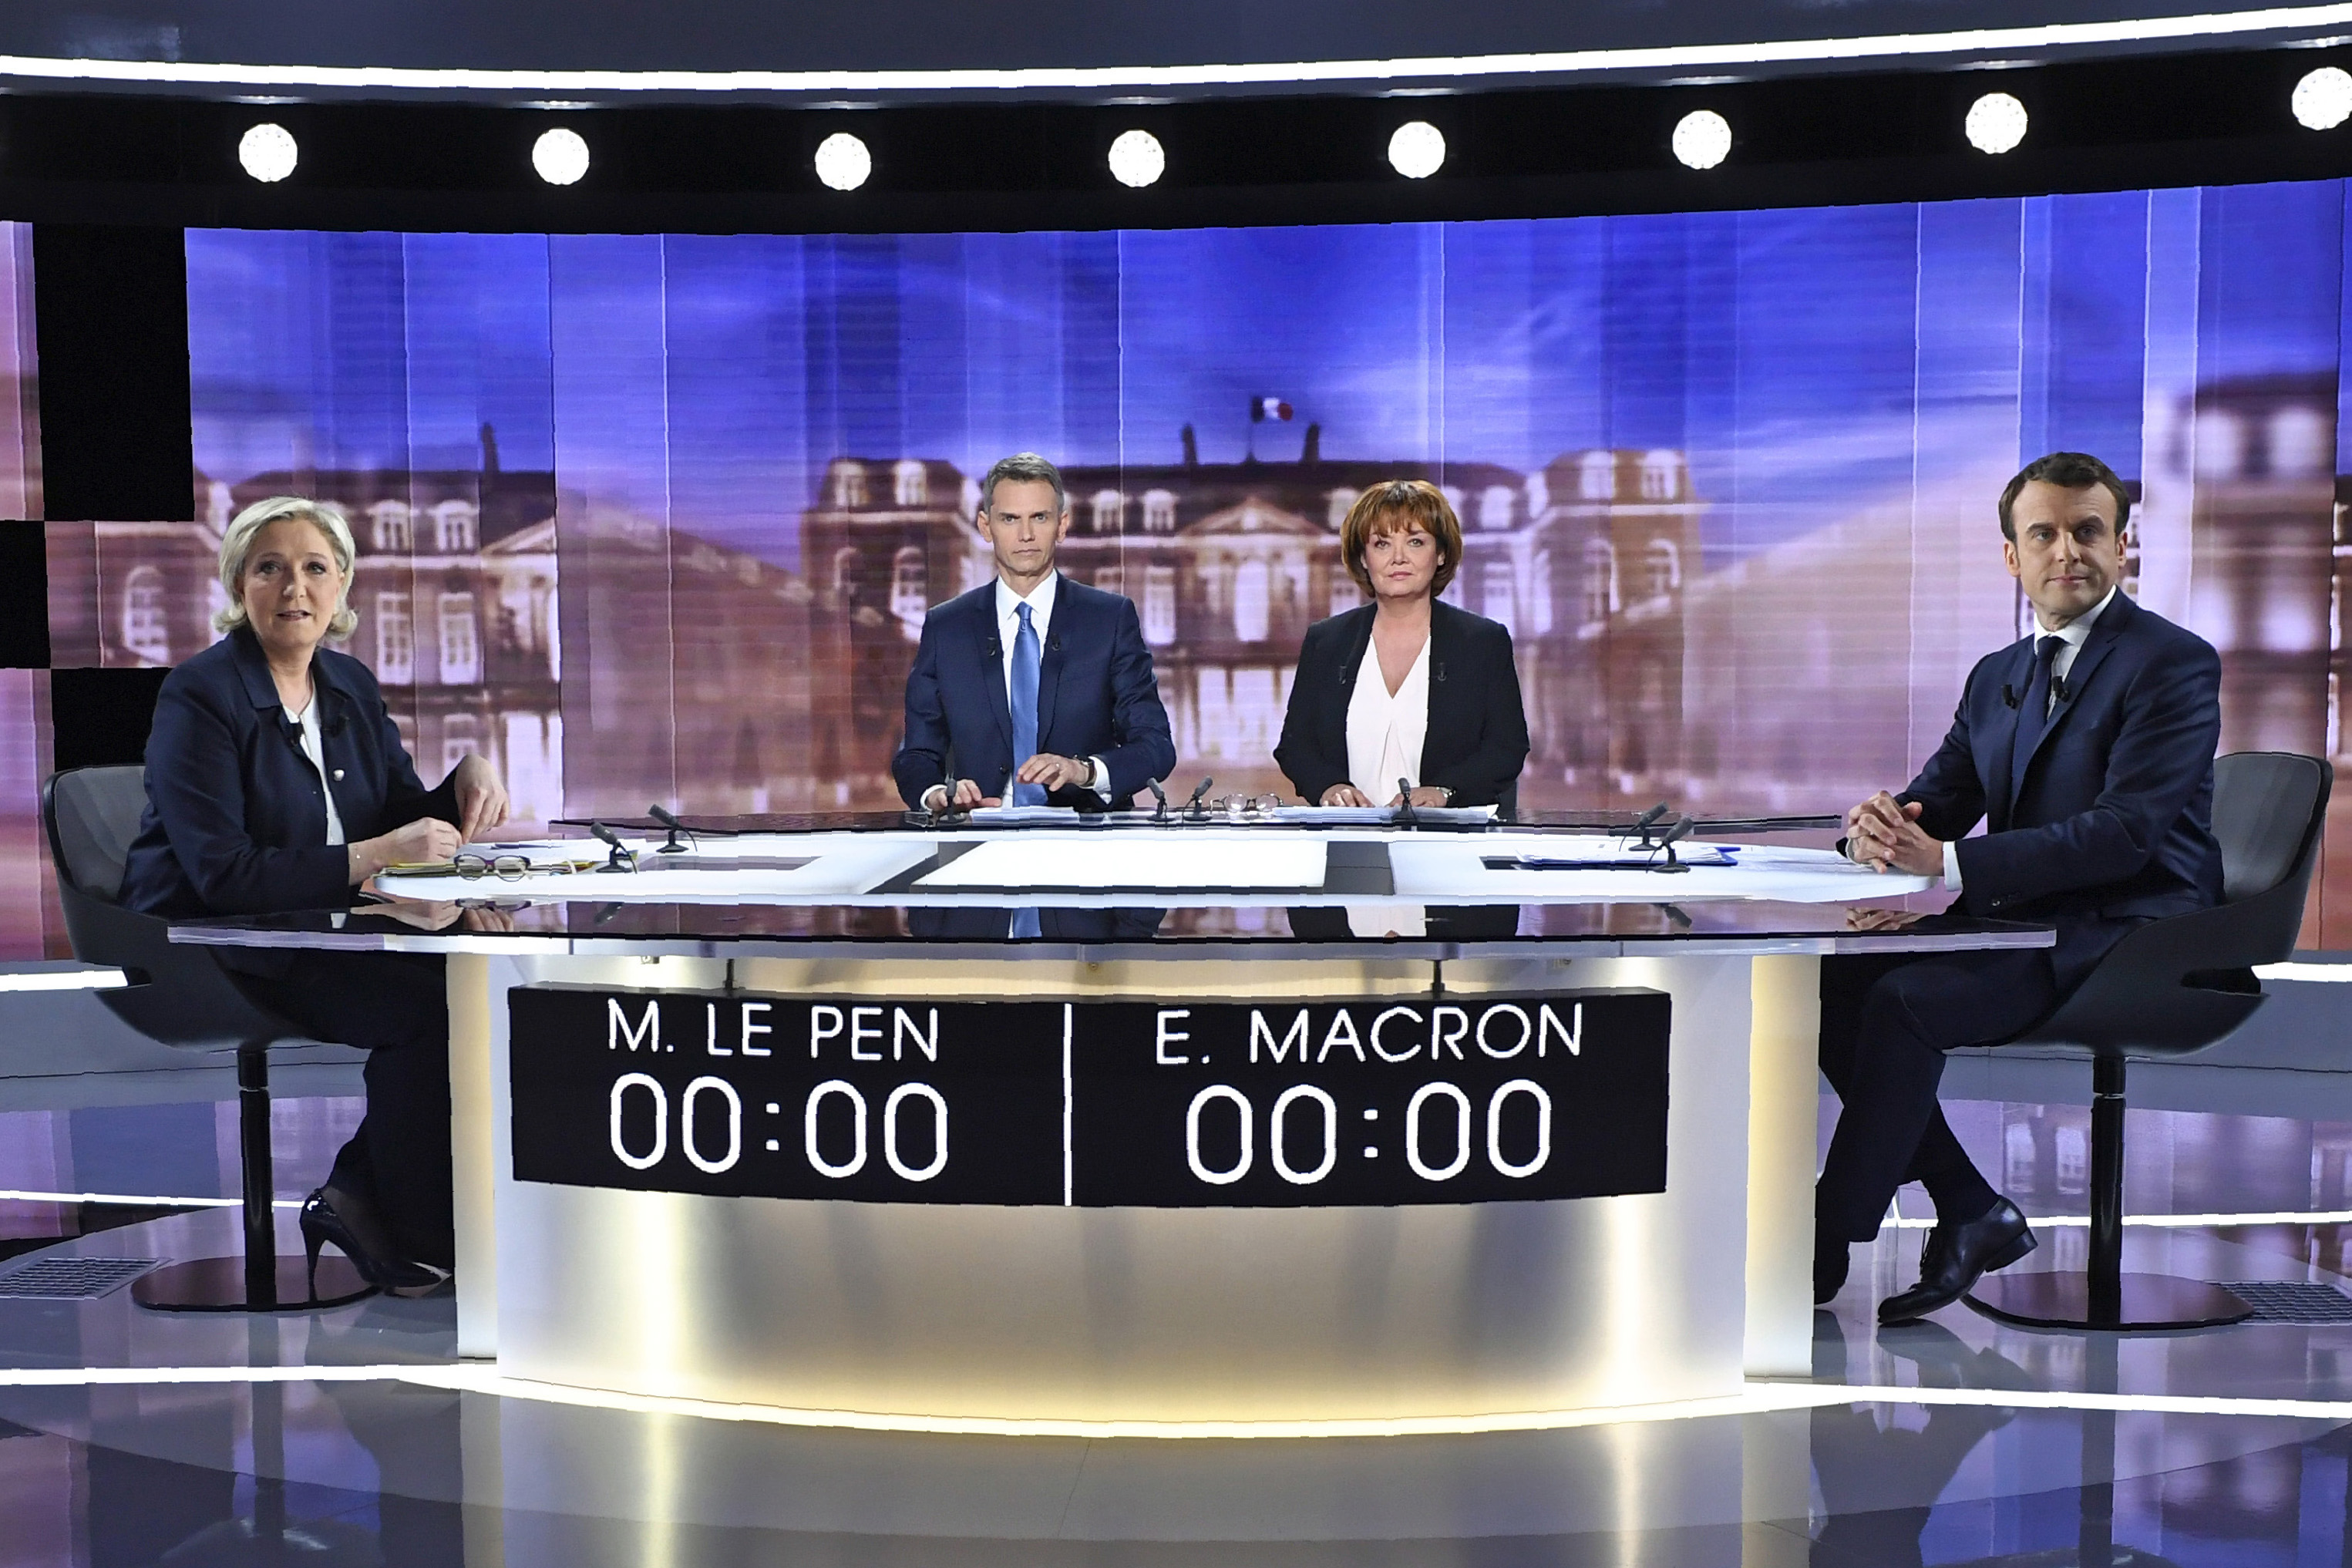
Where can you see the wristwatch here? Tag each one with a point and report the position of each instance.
(1447, 792)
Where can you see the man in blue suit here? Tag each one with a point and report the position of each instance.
(1035, 690)
(2086, 749)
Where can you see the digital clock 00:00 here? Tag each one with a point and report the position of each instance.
(1181, 1103)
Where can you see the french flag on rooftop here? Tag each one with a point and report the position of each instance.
(1265, 408)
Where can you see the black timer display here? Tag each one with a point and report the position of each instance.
(1193, 1103)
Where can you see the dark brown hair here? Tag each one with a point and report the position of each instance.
(1394, 505)
(2068, 472)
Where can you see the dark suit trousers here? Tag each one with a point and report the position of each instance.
(1886, 1022)
(395, 1007)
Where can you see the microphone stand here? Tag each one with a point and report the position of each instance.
(1161, 796)
(1194, 808)
(1404, 805)
(623, 859)
(661, 815)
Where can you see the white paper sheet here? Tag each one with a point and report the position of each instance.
(1115, 860)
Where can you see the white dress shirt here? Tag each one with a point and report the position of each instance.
(2073, 634)
(1008, 628)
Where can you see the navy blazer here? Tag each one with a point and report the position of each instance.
(1477, 740)
(2113, 825)
(1096, 697)
(236, 817)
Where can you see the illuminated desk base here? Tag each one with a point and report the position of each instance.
(953, 1312)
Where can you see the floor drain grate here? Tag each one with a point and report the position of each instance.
(2281, 1301)
(72, 1278)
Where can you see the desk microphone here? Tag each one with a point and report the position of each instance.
(660, 814)
(1642, 822)
(1194, 810)
(1405, 803)
(1682, 829)
(623, 857)
(1161, 796)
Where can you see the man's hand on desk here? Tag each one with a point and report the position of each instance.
(1344, 795)
(965, 796)
(1056, 773)
(1881, 919)
(1884, 834)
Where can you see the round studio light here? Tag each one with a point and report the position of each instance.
(842, 161)
(1996, 123)
(2323, 99)
(268, 153)
(560, 157)
(1137, 159)
(1702, 139)
(1417, 150)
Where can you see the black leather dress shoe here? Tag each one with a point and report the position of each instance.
(1955, 1256)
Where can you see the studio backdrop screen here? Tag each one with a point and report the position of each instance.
(659, 518)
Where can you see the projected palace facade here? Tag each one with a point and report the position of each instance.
(602, 660)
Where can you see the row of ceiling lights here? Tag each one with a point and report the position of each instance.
(1995, 122)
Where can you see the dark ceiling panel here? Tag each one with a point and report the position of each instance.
(302, 43)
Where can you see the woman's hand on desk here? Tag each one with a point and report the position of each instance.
(1344, 795)
(481, 798)
(423, 842)
(436, 914)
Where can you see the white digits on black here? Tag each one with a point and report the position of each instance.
(734, 1124)
(857, 1161)
(1192, 1135)
(621, 1086)
(1282, 1166)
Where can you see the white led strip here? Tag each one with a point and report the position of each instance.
(1566, 62)
(130, 1200)
(63, 980)
(1755, 1398)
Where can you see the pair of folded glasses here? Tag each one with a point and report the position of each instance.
(1247, 804)
(508, 868)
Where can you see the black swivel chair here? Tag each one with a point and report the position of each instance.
(180, 996)
(2170, 987)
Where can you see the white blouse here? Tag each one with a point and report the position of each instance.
(1385, 733)
(1384, 739)
(314, 747)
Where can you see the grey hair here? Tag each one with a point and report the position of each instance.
(236, 543)
(1020, 467)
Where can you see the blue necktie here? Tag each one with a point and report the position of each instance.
(2033, 714)
(1024, 738)
(1024, 707)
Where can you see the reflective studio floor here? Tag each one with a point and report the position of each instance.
(353, 1437)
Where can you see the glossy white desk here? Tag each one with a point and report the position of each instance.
(1159, 1314)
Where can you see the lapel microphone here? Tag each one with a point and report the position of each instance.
(2009, 694)
(1437, 673)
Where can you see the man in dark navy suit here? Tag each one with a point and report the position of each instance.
(2086, 749)
(1035, 690)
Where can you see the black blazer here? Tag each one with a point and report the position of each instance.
(236, 816)
(1477, 736)
(2113, 825)
(1096, 697)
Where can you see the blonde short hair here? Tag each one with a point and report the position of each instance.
(237, 543)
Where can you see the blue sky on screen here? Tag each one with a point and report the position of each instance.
(1804, 358)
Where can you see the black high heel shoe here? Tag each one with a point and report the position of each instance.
(338, 1217)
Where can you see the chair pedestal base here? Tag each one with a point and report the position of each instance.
(2050, 1300)
(218, 1285)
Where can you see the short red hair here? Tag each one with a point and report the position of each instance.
(1399, 506)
